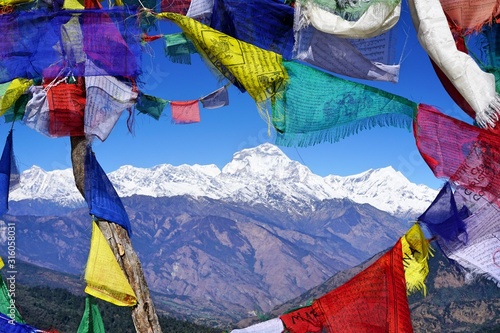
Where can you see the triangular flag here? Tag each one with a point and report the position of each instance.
(105, 279)
(91, 321)
(372, 301)
(443, 217)
(101, 196)
(185, 112)
(6, 167)
(416, 250)
(216, 99)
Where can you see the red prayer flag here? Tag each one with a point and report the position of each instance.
(372, 301)
(469, 156)
(66, 107)
(305, 319)
(185, 112)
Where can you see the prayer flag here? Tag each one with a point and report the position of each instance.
(150, 105)
(469, 156)
(474, 85)
(101, 196)
(104, 277)
(178, 48)
(185, 112)
(1, 263)
(91, 321)
(471, 16)
(304, 319)
(7, 325)
(269, 326)
(175, 6)
(13, 91)
(481, 254)
(216, 99)
(267, 24)
(201, 10)
(341, 55)
(444, 218)
(66, 106)
(7, 177)
(416, 251)
(317, 107)
(259, 71)
(37, 114)
(365, 20)
(109, 38)
(372, 301)
(107, 98)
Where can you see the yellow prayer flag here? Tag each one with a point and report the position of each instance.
(260, 71)
(15, 89)
(105, 279)
(416, 250)
(1, 263)
(73, 4)
(13, 2)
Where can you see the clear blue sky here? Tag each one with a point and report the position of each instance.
(224, 131)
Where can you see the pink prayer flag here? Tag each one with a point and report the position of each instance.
(185, 112)
(469, 156)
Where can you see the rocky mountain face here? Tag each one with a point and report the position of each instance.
(223, 244)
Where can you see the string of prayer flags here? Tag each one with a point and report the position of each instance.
(274, 325)
(474, 85)
(107, 98)
(178, 48)
(369, 19)
(102, 199)
(13, 91)
(186, 112)
(416, 250)
(91, 320)
(259, 71)
(9, 174)
(471, 159)
(481, 254)
(267, 24)
(104, 277)
(372, 301)
(175, 6)
(109, 39)
(444, 218)
(150, 105)
(317, 107)
(342, 56)
(216, 99)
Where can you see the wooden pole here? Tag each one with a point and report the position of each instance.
(144, 313)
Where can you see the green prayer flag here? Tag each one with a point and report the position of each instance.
(178, 48)
(317, 106)
(91, 320)
(150, 105)
(7, 303)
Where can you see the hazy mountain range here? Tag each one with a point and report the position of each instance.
(224, 244)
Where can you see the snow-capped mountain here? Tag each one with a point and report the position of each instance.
(261, 175)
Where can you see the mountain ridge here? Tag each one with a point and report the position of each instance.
(263, 174)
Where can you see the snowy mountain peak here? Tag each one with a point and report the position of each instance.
(266, 162)
(261, 175)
